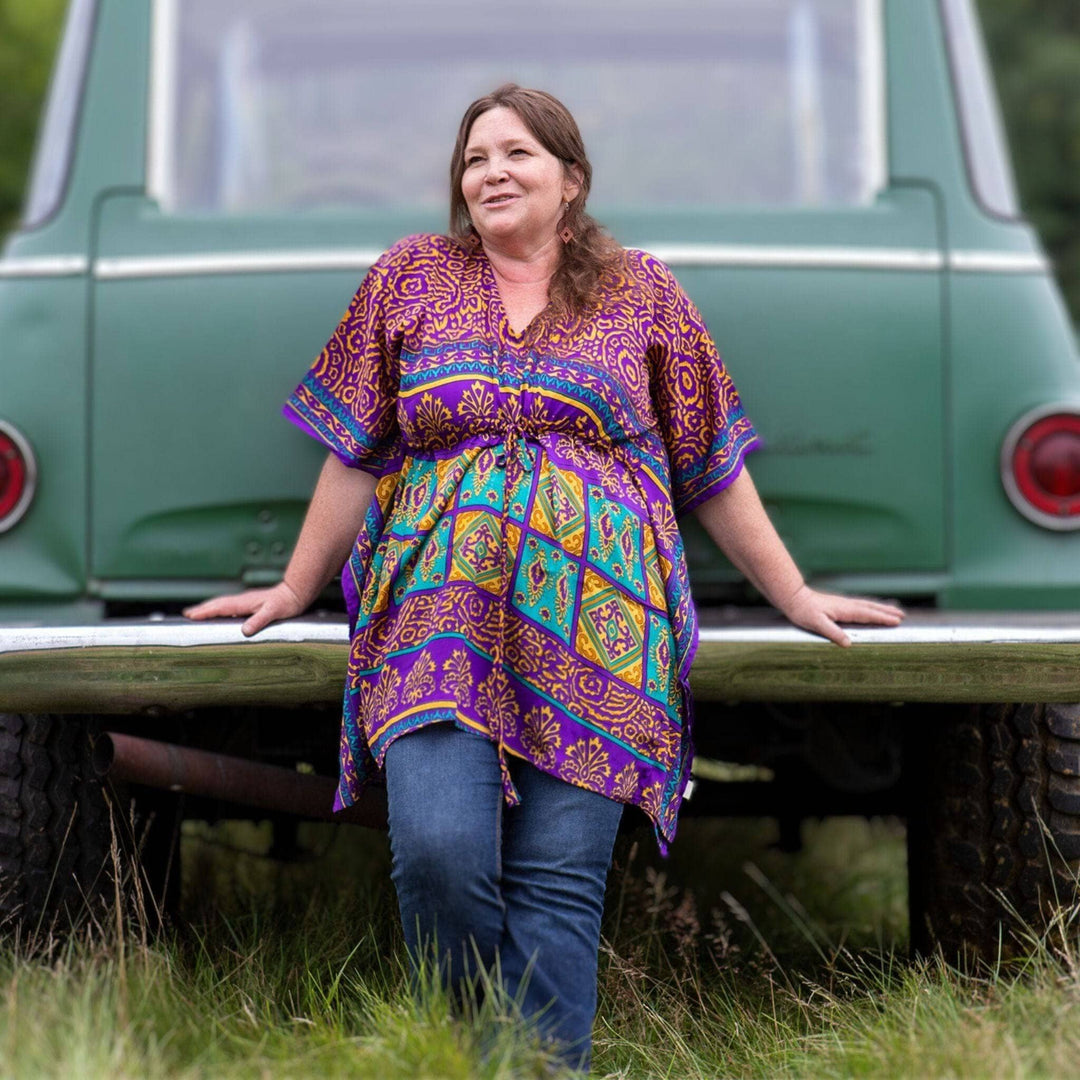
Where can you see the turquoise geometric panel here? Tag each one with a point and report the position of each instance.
(430, 570)
(417, 492)
(615, 542)
(546, 585)
(483, 483)
(659, 667)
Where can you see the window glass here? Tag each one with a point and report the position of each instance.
(984, 138)
(286, 104)
(52, 158)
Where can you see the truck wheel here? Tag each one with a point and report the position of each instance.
(54, 821)
(994, 827)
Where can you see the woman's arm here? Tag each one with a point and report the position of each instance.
(737, 521)
(333, 521)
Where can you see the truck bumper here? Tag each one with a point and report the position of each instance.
(173, 664)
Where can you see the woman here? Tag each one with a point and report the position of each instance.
(516, 414)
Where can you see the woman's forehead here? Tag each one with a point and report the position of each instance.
(497, 126)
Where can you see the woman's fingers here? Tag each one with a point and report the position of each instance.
(280, 603)
(227, 606)
(827, 628)
(892, 610)
(821, 613)
(850, 609)
(260, 620)
(263, 606)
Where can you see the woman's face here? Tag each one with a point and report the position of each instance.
(514, 188)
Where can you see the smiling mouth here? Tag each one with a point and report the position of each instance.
(499, 200)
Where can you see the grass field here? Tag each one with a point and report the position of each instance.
(730, 959)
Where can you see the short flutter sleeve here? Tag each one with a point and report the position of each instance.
(348, 400)
(701, 419)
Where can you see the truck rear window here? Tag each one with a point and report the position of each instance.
(281, 105)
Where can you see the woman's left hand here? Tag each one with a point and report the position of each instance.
(821, 613)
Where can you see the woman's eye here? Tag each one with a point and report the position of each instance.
(473, 160)
(518, 150)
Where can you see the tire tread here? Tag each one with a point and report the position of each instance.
(994, 834)
(54, 825)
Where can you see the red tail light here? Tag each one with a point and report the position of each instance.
(1040, 467)
(18, 476)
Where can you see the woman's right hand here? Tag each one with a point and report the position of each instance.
(263, 605)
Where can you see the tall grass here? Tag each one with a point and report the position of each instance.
(729, 959)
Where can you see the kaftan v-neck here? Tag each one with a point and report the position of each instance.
(520, 572)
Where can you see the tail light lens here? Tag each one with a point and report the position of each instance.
(1040, 467)
(18, 475)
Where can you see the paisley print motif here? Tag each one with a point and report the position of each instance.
(457, 676)
(588, 763)
(625, 784)
(420, 681)
(541, 736)
(520, 572)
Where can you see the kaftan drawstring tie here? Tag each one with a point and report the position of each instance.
(514, 456)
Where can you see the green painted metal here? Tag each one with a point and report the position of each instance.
(816, 354)
(1012, 350)
(43, 378)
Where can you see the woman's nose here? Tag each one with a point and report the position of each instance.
(496, 171)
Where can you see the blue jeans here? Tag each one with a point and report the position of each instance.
(522, 884)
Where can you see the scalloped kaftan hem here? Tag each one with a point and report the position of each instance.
(520, 572)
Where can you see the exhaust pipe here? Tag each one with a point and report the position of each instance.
(237, 780)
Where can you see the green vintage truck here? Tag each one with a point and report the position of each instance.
(829, 180)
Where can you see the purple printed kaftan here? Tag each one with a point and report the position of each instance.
(520, 572)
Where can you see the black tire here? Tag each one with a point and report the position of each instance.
(993, 828)
(54, 822)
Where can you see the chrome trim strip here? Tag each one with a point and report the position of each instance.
(44, 266)
(162, 106)
(999, 262)
(687, 255)
(841, 258)
(677, 255)
(167, 633)
(873, 106)
(944, 635)
(237, 262)
(1058, 628)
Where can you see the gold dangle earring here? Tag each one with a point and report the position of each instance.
(566, 234)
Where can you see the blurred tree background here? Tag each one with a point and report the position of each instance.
(1035, 48)
(29, 30)
(1034, 45)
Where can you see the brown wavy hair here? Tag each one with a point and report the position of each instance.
(592, 253)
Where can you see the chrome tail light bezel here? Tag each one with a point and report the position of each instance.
(1009, 446)
(30, 468)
